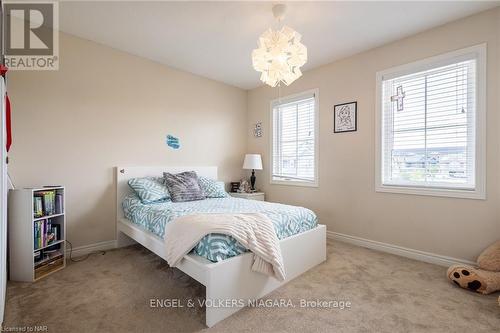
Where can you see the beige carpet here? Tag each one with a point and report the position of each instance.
(112, 292)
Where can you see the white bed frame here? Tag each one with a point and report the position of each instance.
(231, 279)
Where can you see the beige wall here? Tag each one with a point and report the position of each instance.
(105, 108)
(346, 200)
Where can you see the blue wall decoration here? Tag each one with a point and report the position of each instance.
(173, 142)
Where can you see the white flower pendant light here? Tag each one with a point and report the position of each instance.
(280, 54)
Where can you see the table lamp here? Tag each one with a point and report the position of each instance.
(252, 162)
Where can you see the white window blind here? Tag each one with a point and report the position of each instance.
(429, 126)
(294, 139)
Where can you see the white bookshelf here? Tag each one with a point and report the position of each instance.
(23, 265)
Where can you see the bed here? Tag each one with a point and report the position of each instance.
(218, 261)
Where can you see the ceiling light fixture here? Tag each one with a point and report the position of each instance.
(280, 54)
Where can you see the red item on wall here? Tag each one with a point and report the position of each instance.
(3, 70)
(8, 121)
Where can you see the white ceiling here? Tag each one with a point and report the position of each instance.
(215, 39)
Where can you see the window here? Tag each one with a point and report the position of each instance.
(430, 126)
(295, 140)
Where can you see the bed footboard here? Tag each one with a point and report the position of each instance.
(233, 280)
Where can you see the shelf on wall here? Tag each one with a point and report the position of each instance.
(49, 245)
(47, 217)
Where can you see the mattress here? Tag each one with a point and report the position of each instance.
(287, 220)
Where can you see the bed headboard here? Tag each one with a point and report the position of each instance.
(123, 174)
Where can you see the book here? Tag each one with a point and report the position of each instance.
(48, 202)
(40, 232)
(59, 203)
(37, 206)
(56, 231)
(51, 236)
(42, 239)
(37, 234)
(45, 233)
(45, 203)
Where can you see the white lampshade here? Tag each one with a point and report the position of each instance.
(252, 161)
(279, 56)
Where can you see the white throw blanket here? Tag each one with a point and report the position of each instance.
(254, 231)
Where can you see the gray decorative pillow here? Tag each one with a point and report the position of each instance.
(183, 186)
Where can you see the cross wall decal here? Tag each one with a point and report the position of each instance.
(400, 95)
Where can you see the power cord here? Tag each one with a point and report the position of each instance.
(84, 257)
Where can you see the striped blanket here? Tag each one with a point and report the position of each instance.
(254, 231)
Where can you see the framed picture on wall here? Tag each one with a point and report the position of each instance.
(257, 130)
(345, 117)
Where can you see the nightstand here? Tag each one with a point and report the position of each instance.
(259, 196)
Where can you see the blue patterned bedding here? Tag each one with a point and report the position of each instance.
(287, 220)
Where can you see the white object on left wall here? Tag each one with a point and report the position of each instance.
(3, 202)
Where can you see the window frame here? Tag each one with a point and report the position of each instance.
(478, 52)
(288, 99)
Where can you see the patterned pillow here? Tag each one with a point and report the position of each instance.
(183, 186)
(149, 189)
(212, 188)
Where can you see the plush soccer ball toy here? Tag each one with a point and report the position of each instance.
(486, 278)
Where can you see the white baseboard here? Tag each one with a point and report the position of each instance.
(398, 250)
(87, 249)
(363, 242)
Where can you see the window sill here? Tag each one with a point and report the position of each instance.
(435, 192)
(294, 183)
